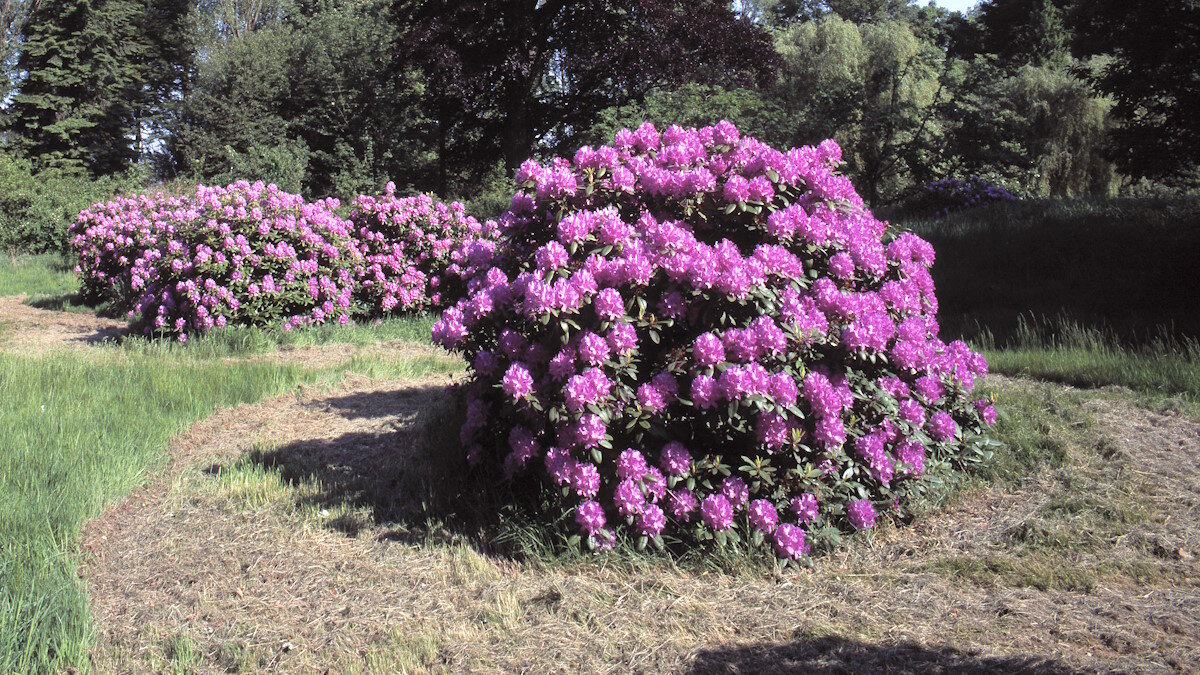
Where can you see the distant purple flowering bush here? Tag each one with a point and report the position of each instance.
(409, 244)
(955, 194)
(693, 335)
(250, 254)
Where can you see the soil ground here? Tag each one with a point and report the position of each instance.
(281, 538)
(30, 329)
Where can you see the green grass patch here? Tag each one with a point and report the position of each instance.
(1068, 352)
(1036, 425)
(1043, 571)
(232, 341)
(237, 340)
(38, 276)
(78, 432)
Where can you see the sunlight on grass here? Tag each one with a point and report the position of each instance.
(1068, 352)
(36, 276)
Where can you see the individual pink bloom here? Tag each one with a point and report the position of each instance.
(763, 515)
(590, 517)
(861, 514)
(789, 541)
(717, 512)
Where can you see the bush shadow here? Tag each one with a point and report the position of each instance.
(829, 655)
(407, 483)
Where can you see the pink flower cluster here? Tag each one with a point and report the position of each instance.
(250, 254)
(663, 309)
(409, 246)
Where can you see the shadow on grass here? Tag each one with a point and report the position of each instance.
(829, 654)
(1120, 265)
(410, 483)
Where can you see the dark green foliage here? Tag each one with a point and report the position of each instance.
(36, 207)
(511, 78)
(1021, 32)
(1038, 130)
(1122, 265)
(755, 113)
(93, 74)
(325, 106)
(1149, 67)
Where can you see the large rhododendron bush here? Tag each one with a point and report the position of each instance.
(250, 254)
(693, 336)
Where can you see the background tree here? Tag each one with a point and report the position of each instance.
(1039, 131)
(509, 77)
(1021, 32)
(320, 105)
(874, 87)
(1150, 70)
(93, 74)
(12, 22)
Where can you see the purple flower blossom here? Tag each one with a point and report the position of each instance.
(682, 504)
(789, 541)
(736, 491)
(631, 465)
(763, 515)
(805, 507)
(590, 516)
(861, 514)
(942, 426)
(518, 383)
(675, 460)
(717, 512)
(585, 479)
(707, 350)
(651, 521)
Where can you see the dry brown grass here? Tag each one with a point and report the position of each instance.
(286, 537)
(33, 330)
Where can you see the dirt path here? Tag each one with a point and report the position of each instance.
(29, 329)
(277, 541)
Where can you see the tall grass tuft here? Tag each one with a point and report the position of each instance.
(1064, 350)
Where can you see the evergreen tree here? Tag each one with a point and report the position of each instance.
(93, 74)
(1023, 32)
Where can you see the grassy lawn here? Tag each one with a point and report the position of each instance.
(1126, 267)
(38, 276)
(1090, 293)
(77, 433)
(79, 430)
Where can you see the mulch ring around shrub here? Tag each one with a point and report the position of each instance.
(31, 329)
(286, 536)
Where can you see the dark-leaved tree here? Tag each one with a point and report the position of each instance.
(91, 76)
(1152, 75)
(511, 77)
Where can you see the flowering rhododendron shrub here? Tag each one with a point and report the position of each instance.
(694, 336)
(250, 254)
(409, 246)
(948, 195)
(109, 236)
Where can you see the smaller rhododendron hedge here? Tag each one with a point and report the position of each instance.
(948, 195)
(250, 254)
(412, 247)
(693, 336)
